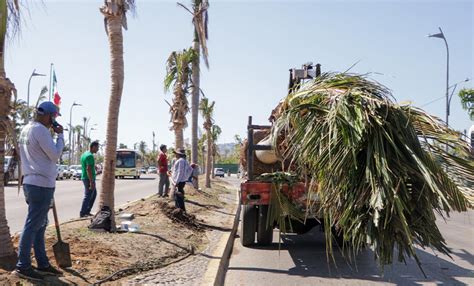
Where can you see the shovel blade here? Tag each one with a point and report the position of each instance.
(62, 254)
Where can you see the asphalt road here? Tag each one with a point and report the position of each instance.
(69, 195)
(302, 261)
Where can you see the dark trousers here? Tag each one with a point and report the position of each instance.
(89, 198)
(179, 196)
(164, 183)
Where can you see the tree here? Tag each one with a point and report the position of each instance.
(115, 17)
(178, 74)
(78, 130)
(9, 20)
(467, 101)
(215, 133)
(122, 146)
(207, 111)
(200, 21)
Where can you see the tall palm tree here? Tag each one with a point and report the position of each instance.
(215, 133)
(200, 21)
(115, 16)
(207, 112)
(178, 74)
(78, 130)
(9, 20)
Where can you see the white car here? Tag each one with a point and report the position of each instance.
(219, 172)
(61, 172)
(152, 170)
(76, 171)
(67, 172)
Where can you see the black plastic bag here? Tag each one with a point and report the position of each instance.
(102, 221)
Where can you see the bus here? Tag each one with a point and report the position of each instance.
(129, 164)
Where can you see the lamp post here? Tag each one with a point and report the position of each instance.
(454, 86)
(71, 129)
(34, 73)
(440, 35)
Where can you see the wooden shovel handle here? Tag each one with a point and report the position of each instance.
(56, 222)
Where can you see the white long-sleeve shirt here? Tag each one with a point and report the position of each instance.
(39, 154)
(181, 171)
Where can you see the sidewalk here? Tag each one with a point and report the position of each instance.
(201, 268)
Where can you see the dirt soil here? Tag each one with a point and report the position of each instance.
(165, 235)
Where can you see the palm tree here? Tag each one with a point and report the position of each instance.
(9, 20)
(200, 21)
(178, 74)
(207, 110)
(215, 133)
(115, 16)
(78, 130)
(142, 147)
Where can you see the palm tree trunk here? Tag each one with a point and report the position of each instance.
(6, 88)
(6, 245)
(78, 151)
(114, 29)
(195, 102)
(208, 163)
(213, 162)
(179, 138)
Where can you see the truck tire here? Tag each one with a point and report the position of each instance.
(248, 225)
(6, 179)
(264, 231)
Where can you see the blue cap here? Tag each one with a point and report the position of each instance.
(48, 107)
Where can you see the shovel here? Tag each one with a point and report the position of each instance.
(60, 248)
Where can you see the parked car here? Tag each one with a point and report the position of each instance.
(143, 170)
(10, 167)
(61, 172)
(76, 172)
(67, 172)
(152, 170)
(219, 172)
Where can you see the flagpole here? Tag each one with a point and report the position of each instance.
(50, 80)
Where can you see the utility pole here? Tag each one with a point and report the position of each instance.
(154, 145)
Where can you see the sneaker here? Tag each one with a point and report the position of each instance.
(29, 274)
(50, 270)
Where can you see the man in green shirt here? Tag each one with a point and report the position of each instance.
(88, 178)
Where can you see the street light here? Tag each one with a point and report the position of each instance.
(454, 86)
(71, 129)
(34, 73)
(440, 35)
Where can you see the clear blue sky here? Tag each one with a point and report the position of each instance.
(252, 44)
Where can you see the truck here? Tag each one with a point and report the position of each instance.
(255, 193)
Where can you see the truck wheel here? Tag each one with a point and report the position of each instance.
(264, 231)
(5, 179)
(248, 225)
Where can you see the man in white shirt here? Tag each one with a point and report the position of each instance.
(39, 154)
(181, 173)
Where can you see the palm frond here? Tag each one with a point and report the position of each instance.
(374, 163)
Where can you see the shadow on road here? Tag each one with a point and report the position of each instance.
(308, 253)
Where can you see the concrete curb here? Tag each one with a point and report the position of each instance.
(224, 263)
(216, 269)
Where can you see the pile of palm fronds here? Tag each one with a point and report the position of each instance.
(378, 167)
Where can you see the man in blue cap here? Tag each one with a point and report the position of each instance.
(39, 154)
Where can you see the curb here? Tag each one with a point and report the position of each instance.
(224, 263)
(216, 269)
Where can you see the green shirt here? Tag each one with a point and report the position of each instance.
(87, 159)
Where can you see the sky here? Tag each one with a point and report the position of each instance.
(252, 45)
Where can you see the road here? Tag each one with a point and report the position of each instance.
(69, 194)
(302, 261)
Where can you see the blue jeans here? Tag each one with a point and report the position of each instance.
(38, 200)
(89, 198)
